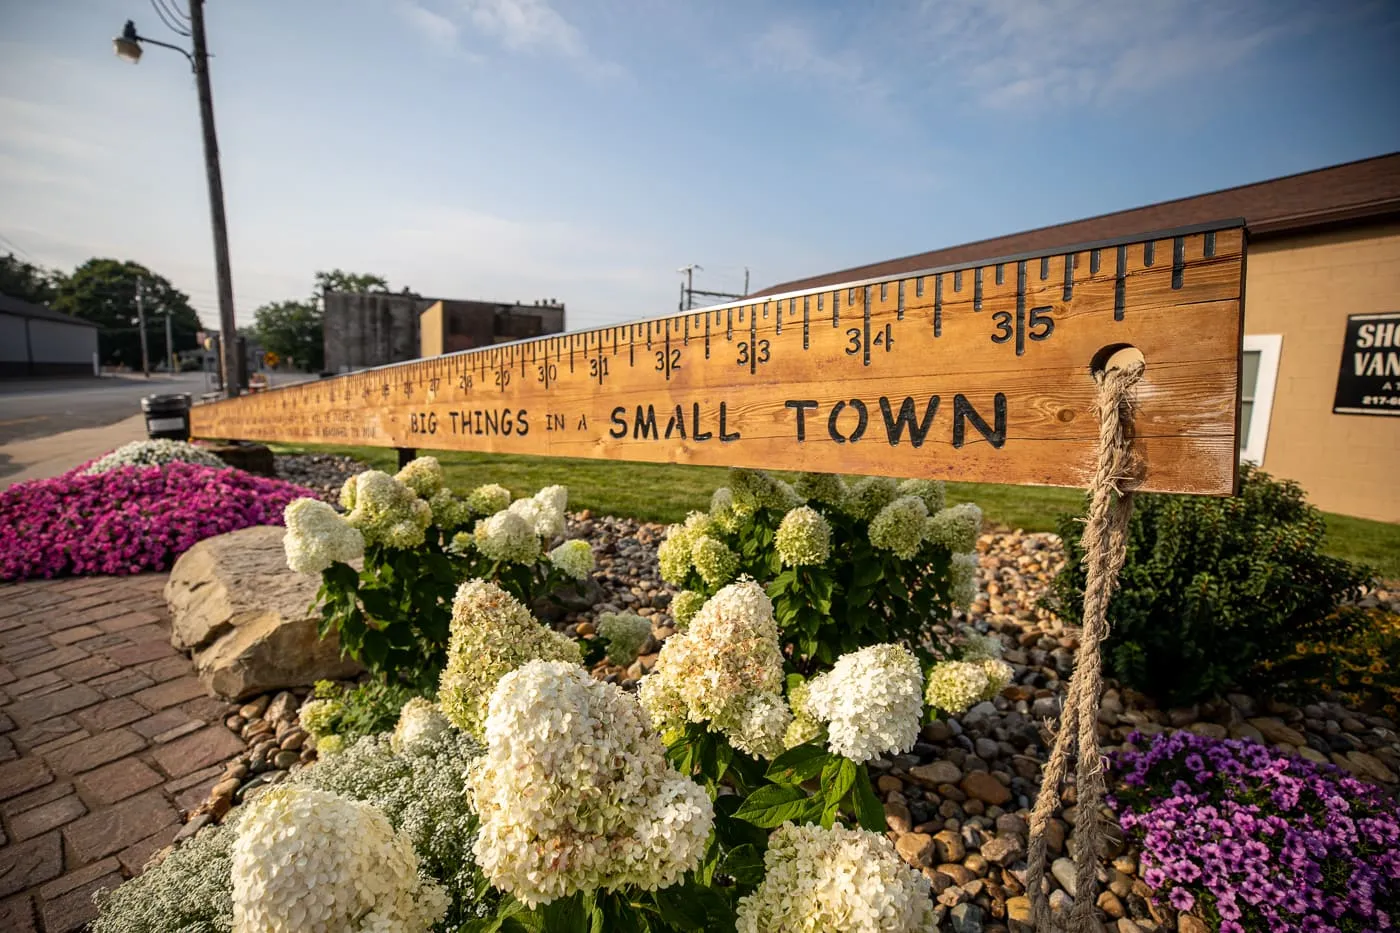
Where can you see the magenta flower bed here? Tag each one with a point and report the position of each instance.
(130, 519)
(1253, 840)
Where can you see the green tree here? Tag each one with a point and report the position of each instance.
(292, 330)
(338, 280)
(103, 291)
(28, 282)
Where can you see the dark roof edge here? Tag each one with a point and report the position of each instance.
(1347, 215)
(21, 308)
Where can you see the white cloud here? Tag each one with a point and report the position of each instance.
(436, 28)
(1013, 53)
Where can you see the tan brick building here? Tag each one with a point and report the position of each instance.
(1321, 374)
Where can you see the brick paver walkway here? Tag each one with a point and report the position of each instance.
(106, 740)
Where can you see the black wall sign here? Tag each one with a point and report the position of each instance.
(1369, 380)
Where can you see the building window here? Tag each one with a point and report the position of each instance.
(1258, 373)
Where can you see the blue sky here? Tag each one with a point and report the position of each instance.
(522, 149)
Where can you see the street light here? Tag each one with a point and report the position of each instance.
(127, 46)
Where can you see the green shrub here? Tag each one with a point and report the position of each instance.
(846, 565)
(421, 541)
(1217, 593)
(367, 708)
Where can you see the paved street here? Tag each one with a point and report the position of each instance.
(31, 408)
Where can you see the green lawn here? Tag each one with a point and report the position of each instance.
(664, 493)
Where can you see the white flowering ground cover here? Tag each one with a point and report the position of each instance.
(729, 792)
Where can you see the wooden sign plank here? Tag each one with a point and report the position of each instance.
(978, 372)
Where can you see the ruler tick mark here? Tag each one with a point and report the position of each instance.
(865, 344)
(1210, 245)
(1120, 283)
(1021, 306)
(899, 311)
(1069, 279)
(937, 305)
(1178, 261)
(977, 289)
(1149, 252)
(1095, 260)
(806, 318)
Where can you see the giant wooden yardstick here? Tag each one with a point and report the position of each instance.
(976, 372)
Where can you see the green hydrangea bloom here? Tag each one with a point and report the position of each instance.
(825, 488)
(684, 605)
(803, 538)
(423, 475)
(755, 490)
(899, 527)
(714, 561)
(625, 633)
(955, 528)
(931, 491)
(868, 495)
(488, 499)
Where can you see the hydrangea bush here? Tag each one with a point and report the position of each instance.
(153, 453)
(419, 540)
(1255, 840)
(129, 519)
(847, 565)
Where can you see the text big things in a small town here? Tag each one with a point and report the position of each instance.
(979, 372)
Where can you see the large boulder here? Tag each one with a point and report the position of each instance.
(247, 619)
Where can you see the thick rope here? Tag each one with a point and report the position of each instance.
(1105, 545)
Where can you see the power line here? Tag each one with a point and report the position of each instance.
(169, 19)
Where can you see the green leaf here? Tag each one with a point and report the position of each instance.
(774, 805)
(870, 813)
(744, 864)
(838, 774)
(677, 908)
(797, 764)
(568, 915)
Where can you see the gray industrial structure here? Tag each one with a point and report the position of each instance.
(37, 341)
(365, 330)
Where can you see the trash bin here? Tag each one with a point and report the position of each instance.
(167, 416)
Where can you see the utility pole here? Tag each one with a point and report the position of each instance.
(169, 344)
(141, 323)
(689, 291)
(228, 345)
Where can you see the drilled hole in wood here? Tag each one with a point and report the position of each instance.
(1116, 356)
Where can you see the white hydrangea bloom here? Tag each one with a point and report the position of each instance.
(760, 725)
(544, 511)
(625, 633)
(803, 538)
(932, 491)
(999, 674)
(309, 861)
(899, 527)
(507, 537)
(825, 488)
(835, 880)
(711, 672)
(388, 512)
(318, 536)
(420, 727)
(347, 493)
(872, 701)
(555, 498)
(574, 559)
(713, 559)
(684, 605)
(868, 495)
(492, 634)
(954, 686)
(979, 647)
(956, 527)
(575, 793)
(488, 499)
(155, 453)
(423, 475)
(318, 716)
(962, 574)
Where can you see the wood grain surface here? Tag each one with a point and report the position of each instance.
(979, 373)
